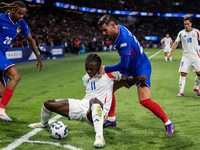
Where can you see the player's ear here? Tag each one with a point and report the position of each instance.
(112, 24)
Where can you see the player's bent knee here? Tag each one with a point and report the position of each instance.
(95, 101)
(49, 104)
(17, 78)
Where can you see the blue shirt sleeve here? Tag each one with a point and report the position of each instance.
(122, 65)
(25, 31)
(125, 51)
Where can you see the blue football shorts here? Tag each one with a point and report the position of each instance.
(143, 69)
(4, 64)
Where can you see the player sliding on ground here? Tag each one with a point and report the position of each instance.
(189, 38)
(133, 61)
(93, 108)
(11, 24)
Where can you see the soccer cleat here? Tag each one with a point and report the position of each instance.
(38, 125)
(180, 94)
(99, 142)
(54, 58)
(4, 116)
(170, 128)
(109, 123)
(197, 91)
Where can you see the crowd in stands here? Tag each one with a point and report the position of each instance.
(54, 28)
(161, 6)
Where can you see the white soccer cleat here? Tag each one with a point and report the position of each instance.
(54, 58)
(4, 116)
(99, 142)
(38, 125)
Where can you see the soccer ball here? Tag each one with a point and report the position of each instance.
(59, 130)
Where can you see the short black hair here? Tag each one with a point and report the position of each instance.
(93, 58)
(106, 19)
(187, 18)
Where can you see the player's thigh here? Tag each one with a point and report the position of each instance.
(12, 73)
(196, 64)
(185, 65)
(60, 106)
(143, 92)
(117, 85)
(2, 87)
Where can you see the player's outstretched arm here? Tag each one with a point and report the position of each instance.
(174, 46)
(133, 79)
(34, 48)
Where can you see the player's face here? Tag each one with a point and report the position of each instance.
(167, 35)
(187, 25)
(107, 30)
(92, 68)
(18, 14)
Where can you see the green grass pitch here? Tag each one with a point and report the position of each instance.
(137, 128)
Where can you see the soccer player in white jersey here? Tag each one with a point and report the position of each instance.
(94, 107)
(167, 43)
(189, 38)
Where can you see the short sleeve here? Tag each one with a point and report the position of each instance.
(24, 28)
(116, 75)
(178, 39)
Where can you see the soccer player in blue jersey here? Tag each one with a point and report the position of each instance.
(12, 23)
(133, 61)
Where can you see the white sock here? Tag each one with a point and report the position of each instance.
(112, 119)
(2, 110)
(197, 82)
(45, 115)
(165, 58)
(182, 83)
(97, 117)
(170, 58)
(168, 122)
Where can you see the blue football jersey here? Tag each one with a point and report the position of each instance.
(9, 30)
(127, 44)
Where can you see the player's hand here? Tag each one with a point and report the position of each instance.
(101, 70)
(39, 65)
(169, 55)
(142, 78)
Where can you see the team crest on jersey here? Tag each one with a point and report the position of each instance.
(18, 30)
(123, 45)
(184, 36)
(88, 81)
(193, 34)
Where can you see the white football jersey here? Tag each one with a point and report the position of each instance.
(189, 41)
(167, 41)
(101, 88)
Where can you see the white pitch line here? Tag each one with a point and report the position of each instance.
(25, 138)
(155, 54)
(57, 144)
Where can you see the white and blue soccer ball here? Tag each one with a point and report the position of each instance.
(59, 130)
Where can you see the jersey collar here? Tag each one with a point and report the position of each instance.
(186, 31)
(118, 34)
(10, 19)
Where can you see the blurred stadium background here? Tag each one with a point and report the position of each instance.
(60, 22)
(55, 25)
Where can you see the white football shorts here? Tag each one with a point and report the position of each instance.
(167, 49)
(78, 110)
(187, 62)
